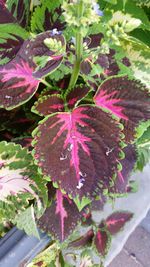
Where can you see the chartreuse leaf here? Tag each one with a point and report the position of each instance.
(79, 150)
(19, 79)
(47, 257)
(12, 37)
(139, 55)
(20, 10)
(127, 99)
(26, 221)
(47, 16)
(15, 170)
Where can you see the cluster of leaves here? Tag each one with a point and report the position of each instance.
(72, 95)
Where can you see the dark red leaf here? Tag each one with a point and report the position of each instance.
(49, 104)
(71, 148)
(123, 176)
(117, 220)
(76, 95)
(61, 218)
(84, 240)
(127, 99)
(102, 242)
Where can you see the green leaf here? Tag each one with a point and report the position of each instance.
(45, 16)
(11, 38)
(26, 221)
(113, 2)
(20, 10)
(81, 203)
(47, 257)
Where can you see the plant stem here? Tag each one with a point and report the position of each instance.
(79, 50)
(45, 82)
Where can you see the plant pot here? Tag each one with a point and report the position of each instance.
(17, 249)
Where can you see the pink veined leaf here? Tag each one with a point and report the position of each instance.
(71, 148)
(49, 104)
(76, 95)
(61, 218)
(84, 240)
(127, 99)
(17, 85)
(19, 79)
(117, 220)
(102, 242)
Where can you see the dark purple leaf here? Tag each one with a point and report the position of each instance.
(18, 78)
(117, 220)
(127, 99)
(102, 242)
(72, 148)
(123, 176)
(84, 240)
(61, 218)
(76, 95)
(49, 104)
(5, 15)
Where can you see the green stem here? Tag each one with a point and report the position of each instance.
(79, 50)
(45, 82)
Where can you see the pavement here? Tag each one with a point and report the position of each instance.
(136, 252)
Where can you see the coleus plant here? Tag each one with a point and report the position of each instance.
(73, 93)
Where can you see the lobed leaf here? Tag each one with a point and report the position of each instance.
(127, 99)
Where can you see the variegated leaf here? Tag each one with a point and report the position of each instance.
(20, 9)
(117, 220)
(127, 99)
(19, 78)
(84, 240)
(71, 148)
(102, 242)
(48, 16)
(15, 170)
(49, 104)
(61, 218)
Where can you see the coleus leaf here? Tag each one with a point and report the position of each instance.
(12, 37)
(15, 170)
(5, 15)
(76, 95)
(19, 78)
(20, 10)
(127, 99)
(102, 241)
(84, 240)
(49, 104)
(117, 220)
(123, 176)
(71, 148)
(47, 16)
(61, 218)
(52, 103)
